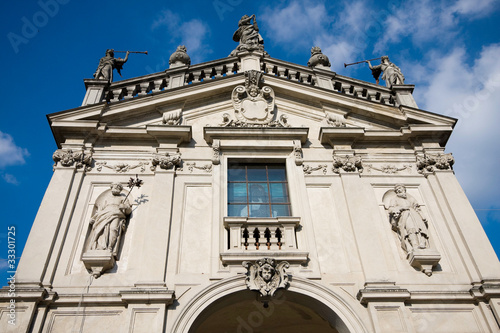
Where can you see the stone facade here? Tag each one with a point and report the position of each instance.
(353, 253)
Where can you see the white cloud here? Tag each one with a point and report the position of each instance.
(471, 94)
(429, 20)
(192, 34)
(477, 8)
(11, 179)
(10, 154)
(295, 24)
(342, 35)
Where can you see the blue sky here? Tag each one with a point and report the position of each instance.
(448, 49)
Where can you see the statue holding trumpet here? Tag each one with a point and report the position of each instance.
(109, 62)
(391, 73)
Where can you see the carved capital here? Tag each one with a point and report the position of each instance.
(431, 162)
(166, 161)
(68, 158)
(347, 163)
(266, 276)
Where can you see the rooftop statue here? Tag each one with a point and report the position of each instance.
(179, 57)
(318, 59)
(248, 35)
(392, 73)
(107, 64)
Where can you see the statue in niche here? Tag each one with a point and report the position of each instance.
(248, 35)
(392, 74)
(108, 63)
(407, 219)
(266, 276)
(111, 210)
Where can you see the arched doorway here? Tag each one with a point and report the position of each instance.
(306, 306)
(289, 312)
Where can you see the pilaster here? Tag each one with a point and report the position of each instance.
(156, 229)
(43, 234)
(364, 219)
(476, 242)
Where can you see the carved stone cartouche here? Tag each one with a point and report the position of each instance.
(266, 276)
(252, 104)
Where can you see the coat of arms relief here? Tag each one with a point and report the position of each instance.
(253, 104)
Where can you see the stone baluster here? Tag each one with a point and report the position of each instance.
(144, 88)
(386, 99)
(372, 95)
(196, 76)
(159, 85)
(131, 91)
(117, 94)
(359, 92)
(347, 89)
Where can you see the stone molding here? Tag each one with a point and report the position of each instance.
(385, 292)
(344, 308)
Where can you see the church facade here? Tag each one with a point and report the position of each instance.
(249, 194)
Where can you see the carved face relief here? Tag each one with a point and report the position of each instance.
(400, 191)
(265, 276)
(267, 272)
